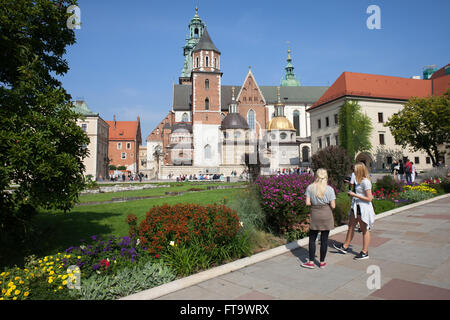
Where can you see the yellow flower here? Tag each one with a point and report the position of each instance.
(3, 291)
(17, 292)
(50, 280)
(52, 273)
(10, 284)
(64, 277)
(13, 287)
(64, 282)
(79, 257)
(60, 288)
(15, 298)
(16, 278)
(21, 282)
(26, 293)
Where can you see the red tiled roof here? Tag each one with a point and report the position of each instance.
(441, 81)
(375, 86)
(123, 130)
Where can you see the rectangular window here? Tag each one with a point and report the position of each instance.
(416, 160)
(119, 145)
(381, 138)
(328, 141)
(123, 155)
(428, 160)
(389, 160)
(336, 119)
(327, 122)
(380, 117)
(319, 124)
(84, 127)
(128, 145)
(320, 143)
(336, 140)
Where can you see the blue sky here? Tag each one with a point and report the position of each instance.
(129, 53)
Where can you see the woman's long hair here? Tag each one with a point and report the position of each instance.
(321, 182)
(361, 172)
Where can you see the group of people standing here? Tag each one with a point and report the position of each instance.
(322, 199)
(404, 171)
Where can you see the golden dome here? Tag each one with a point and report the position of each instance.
(280, 123)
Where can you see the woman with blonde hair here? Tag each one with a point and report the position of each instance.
(322, 199)
(361, 211)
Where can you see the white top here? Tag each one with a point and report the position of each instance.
(328, 195)
(367, 212)
(353, 178)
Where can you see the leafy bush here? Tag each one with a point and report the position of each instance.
(127, 281)
(181, 223)
(121, 168)
(282, 198)
(249, 209)
(416, 195)
(343, 203)
(388, 185)
(382, 205)
(336, 161)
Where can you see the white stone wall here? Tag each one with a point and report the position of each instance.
(203, 135)
(379, 152)
(179, 116)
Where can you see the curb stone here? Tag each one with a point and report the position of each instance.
(194, 279)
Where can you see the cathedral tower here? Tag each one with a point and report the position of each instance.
(206, 98)
(196, 27)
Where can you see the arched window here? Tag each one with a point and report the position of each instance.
(206, 104)
(196, 33)
(196, 62)
(207, 61)
(207, 84)
(185, 117)
(251, 119)
(305, 154)
(215, 63)
(297, 122)
(207, 151)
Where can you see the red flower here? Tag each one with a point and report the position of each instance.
(157, 256)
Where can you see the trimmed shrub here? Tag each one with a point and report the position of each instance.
(343, 203)
(388, 185)
(382, 205)
(181, 223)
(416, 195)
(336, 161)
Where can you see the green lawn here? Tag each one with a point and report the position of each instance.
(61, 230)
(160, 191)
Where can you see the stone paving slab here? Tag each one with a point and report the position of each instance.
(411, 248)
(397, 289)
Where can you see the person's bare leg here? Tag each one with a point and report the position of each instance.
(366, 235)
(350, 231)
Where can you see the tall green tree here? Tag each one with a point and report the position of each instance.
(423, 124)
(355, 129)
(41, 145)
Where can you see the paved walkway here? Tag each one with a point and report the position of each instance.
(411, 248)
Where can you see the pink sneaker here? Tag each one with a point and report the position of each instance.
(308, 265)
(323, 265)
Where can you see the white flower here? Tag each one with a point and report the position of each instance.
(138, 241)
(172, 243)
(241, 223)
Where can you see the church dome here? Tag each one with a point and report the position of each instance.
(234, 121)
(280, 123)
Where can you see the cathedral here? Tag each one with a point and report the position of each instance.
(216, 129)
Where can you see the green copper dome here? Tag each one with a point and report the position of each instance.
(289, 79)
